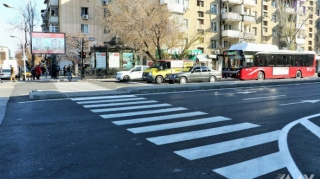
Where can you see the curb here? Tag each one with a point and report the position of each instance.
(37, 95)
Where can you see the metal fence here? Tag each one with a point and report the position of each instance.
(92, 73)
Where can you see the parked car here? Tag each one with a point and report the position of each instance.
(194, 74)
(133, 74)
(5, 73)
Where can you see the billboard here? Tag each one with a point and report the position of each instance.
(48, 43)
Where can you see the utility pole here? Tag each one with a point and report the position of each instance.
(82, 59)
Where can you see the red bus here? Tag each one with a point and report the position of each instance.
(261, 65)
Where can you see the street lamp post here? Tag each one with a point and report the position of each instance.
(24, 53)
(23, 58)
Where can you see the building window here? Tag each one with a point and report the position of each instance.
(200, 3)
(84, 11)
(310, 35)
(200, 21)
(265, 23)
(317, 38)
(213, 44)
(317, 25)
(214, 8)
(186, 23)
(265, 7)
(200, 14)
(255, 30)
(54, 11)
(318, 12)
(225, 44)
(54, 28)
(176, 1)
(106, 12)
(201, 31)
(254, 13)
(310, 22)
(274, 18)
(214, 26)
(85, 28)
(310, 29)
(274, 3)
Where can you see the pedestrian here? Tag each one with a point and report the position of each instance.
(13, 74)
(69, 71)
(43, 69)
(33, 73)
(57, 70)
(197, 63)
(65, 70)
(38, 72)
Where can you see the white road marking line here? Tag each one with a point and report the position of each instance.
(167, 139)
(177, 124)
(264, 97)
(118, 104)
(228, 146)
(130, 108)
(112, 100)
(102, 97)
(312, 127)
(110, 116)
(158, 118)
(253, 168)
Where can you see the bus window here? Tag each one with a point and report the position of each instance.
(290, 60)
(281, 60)
(311, 59)
(271, 60)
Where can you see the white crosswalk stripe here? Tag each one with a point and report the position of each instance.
(108, 101)
(130, 108)
(118, 104)
(247, 169)
(102, 97)
(177, 124)
(253, 168)
(200, 133)
(228, 146)
(158, 118)
(111, 116)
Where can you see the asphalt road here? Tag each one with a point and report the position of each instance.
(226, 133)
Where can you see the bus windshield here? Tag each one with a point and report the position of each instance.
(232, 61)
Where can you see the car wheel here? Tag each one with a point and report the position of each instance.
(260, 76)
(126, 78)
(298, 74)
(212, 79)
(183, 80)
(159, 79)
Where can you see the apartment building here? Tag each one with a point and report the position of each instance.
(227, 22)
(4, 54)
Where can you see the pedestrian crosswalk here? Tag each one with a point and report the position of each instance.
(125, 110)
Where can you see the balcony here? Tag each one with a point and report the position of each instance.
(53, 19)
(174, 8)
(247, 19)
(249, 3)
(231, 34)
(300, 40)
(53, 3)
(232, 2)
(231, 17)
(249, 35)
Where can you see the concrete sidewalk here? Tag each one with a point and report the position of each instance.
(35, 95)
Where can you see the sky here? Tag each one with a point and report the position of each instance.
(8, 15)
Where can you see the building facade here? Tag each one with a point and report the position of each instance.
(4, 54)
(222, 22)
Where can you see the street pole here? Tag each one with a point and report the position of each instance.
(24, 53)
(82, 58)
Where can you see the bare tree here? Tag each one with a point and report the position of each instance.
(29, 21)
(73, 47)
(292, 18)
(146, 25)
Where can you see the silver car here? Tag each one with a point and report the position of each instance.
(194, 74)
(5, 73)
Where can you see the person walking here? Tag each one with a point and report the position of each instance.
(38, 72)
(69, 71)
(57, 70)
(65, 70)
(13, 74)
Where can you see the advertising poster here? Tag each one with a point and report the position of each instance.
(114, 60)
(48, 43)
(127, 60)
(101, 60)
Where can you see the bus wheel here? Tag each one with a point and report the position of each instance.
(260, 76)
(212, 79)
(298, 74)
(159, 79)
(183, 80)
